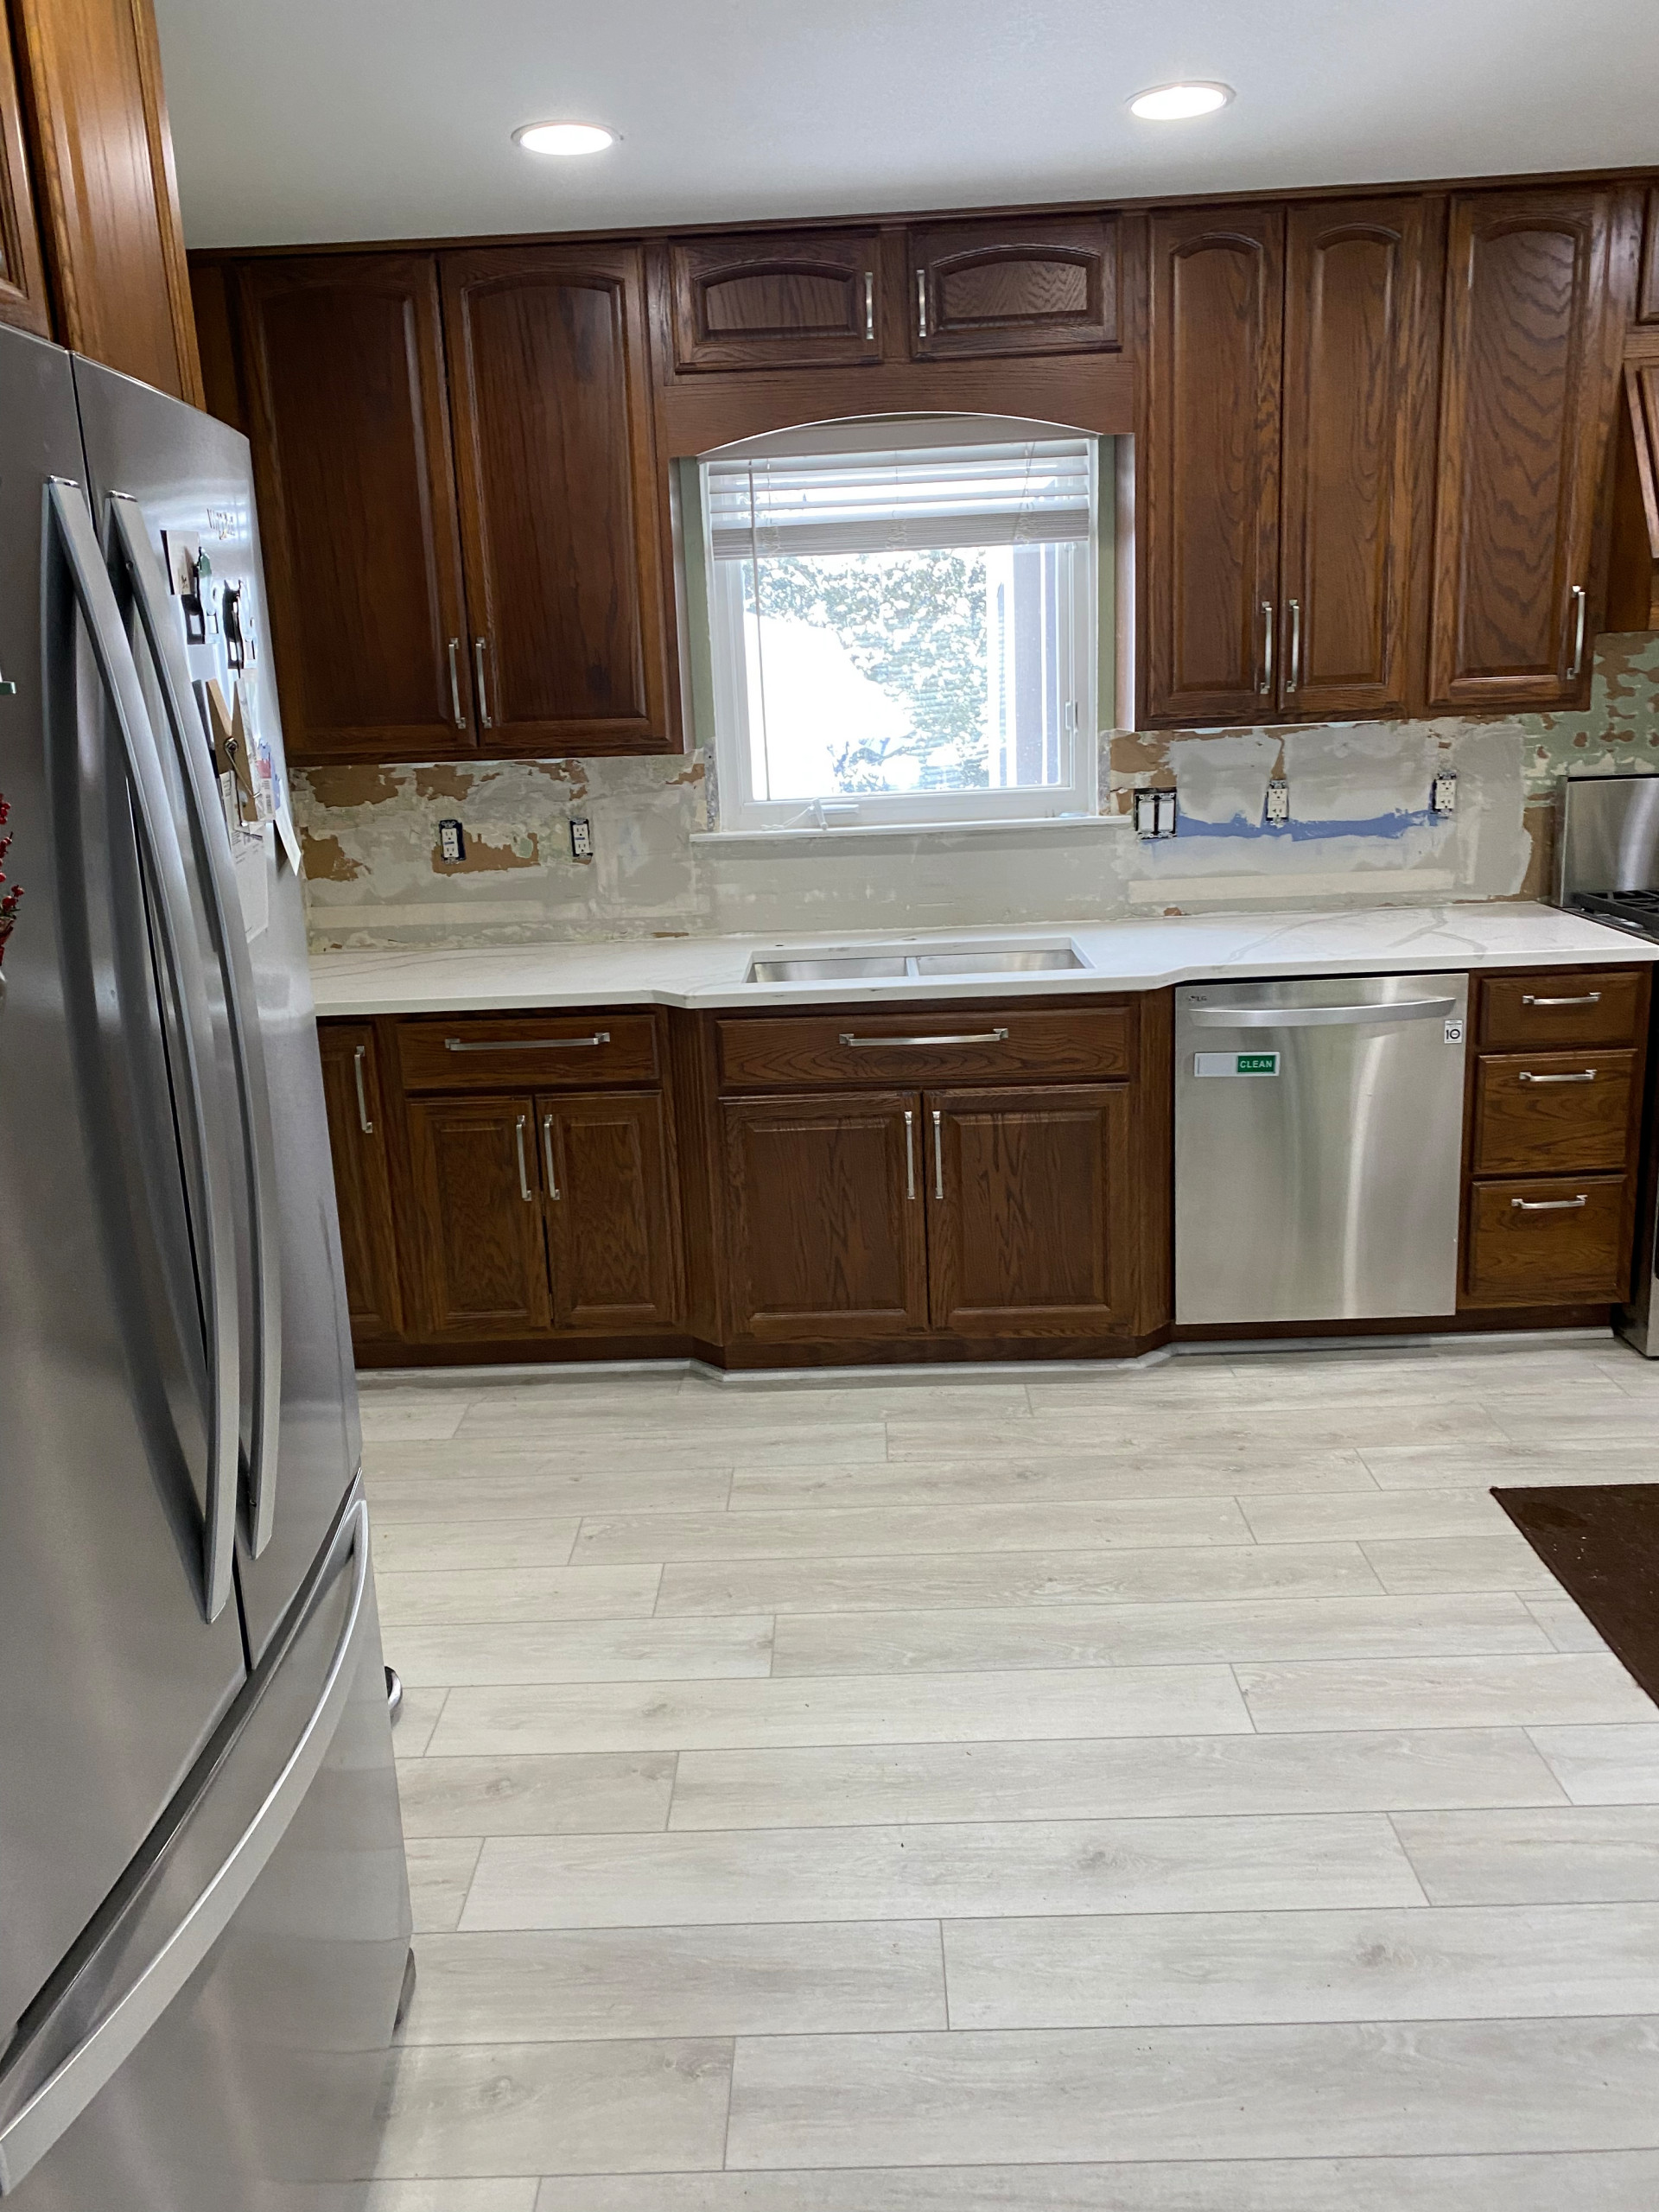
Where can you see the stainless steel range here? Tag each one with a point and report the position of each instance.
(1608, 868)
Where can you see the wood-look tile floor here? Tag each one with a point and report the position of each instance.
(1177, 1789)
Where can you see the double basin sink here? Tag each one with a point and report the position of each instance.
(898, 963)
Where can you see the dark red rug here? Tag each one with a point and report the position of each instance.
(1602, 1546)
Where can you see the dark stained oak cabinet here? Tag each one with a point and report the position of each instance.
(613, 1240)
(360, 1141)
(1533, 331)
(23, 302)
(479, 1257)
(826, 1219)
(343, 383)
(1359, 388)
(560, 505)
(1646, 302)
(1207, 486)
(1044, 284)
(810, 299)
(1029, 1230)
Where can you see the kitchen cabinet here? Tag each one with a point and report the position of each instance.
(826, 1237)
(562, 516)
(360, 1138)
(1027, 1229)
(1359, 388)
(1288, 434)
(1646, 302)
(778, 300)
(1633, 558)
(1019, 285)
(23, 302)
(613, 1240)
(104, 189)
(341, 363)
(1533, 331)
(475, 1240)
(1208, 477)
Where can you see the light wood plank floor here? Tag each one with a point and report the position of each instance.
(1177, 1789)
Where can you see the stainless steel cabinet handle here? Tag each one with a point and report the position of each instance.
(909, 1153)
(1293, 670)
(1588, 1076)
(456, 715)
(181, 954)
(547, 1157)
(870, 305)
(363, 1121)
(1316, 1017)
(159, 628)
(529, 1044)
(977, 1037)
(1580, 602)
(524, 1191)
(1550, 1205)
(921, 304)
(1584, 998)
(122, 2026)
(1265, 686)
(938, 1156)
(483, 692)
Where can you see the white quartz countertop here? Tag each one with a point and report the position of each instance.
(1134, 955)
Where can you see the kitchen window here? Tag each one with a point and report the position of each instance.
(903, 623)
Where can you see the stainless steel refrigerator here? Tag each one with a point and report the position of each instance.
(204, 1911)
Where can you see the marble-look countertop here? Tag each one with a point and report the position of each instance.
(1133, 954)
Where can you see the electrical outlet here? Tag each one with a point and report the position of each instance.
(581, 838)
(1278, 801)
(1443, 795)
(452, 841)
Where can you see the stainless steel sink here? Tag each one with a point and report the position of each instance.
(896, 965)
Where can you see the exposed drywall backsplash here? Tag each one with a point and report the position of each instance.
(1360, 831)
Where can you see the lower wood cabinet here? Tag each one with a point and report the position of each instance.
(613, 1243)
(479, 1248)
(358, 1133)
(981, 1213)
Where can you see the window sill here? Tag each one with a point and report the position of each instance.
(809, 833)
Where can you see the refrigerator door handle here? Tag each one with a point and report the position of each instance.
(64, 2096)
(70, 524)
(247, 1049)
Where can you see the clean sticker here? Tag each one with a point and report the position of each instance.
(1236, 1063)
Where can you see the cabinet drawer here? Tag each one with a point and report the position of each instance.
(1539, 1113)
(1547, 1243)
(919, 1046)
(585, 1051)
(1520, 1011)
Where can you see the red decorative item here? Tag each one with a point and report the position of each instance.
(7, 899)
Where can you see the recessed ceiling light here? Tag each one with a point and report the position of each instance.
(1174, 103)
(563, 138)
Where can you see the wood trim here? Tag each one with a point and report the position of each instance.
(160, 132)
(23, 301)
(1646, 302)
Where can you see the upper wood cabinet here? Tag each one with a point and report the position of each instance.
(22, 272)
(1646, 302)
(104, 187)
(782, 301)
(560, 511)
(342, 374)
(1359, 388)
(1048, 284)
(1633, 561)
(1209, 508)
(1532, 342)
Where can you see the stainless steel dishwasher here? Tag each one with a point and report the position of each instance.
(1319, 1138)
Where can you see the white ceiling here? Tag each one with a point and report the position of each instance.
(302, 120)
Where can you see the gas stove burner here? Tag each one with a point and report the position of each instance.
(1637, 911)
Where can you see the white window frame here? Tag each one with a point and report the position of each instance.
(743, 812)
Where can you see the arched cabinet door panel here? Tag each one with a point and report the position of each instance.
(1048, 285)
(802, 299)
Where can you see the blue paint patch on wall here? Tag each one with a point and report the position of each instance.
(1292, 833)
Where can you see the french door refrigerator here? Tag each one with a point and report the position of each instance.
(204, 1911)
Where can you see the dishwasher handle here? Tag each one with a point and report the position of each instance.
(1318, 1017)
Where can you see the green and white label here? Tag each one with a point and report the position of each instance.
(1236, 1063)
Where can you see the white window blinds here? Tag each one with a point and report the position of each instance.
(1033, 493)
